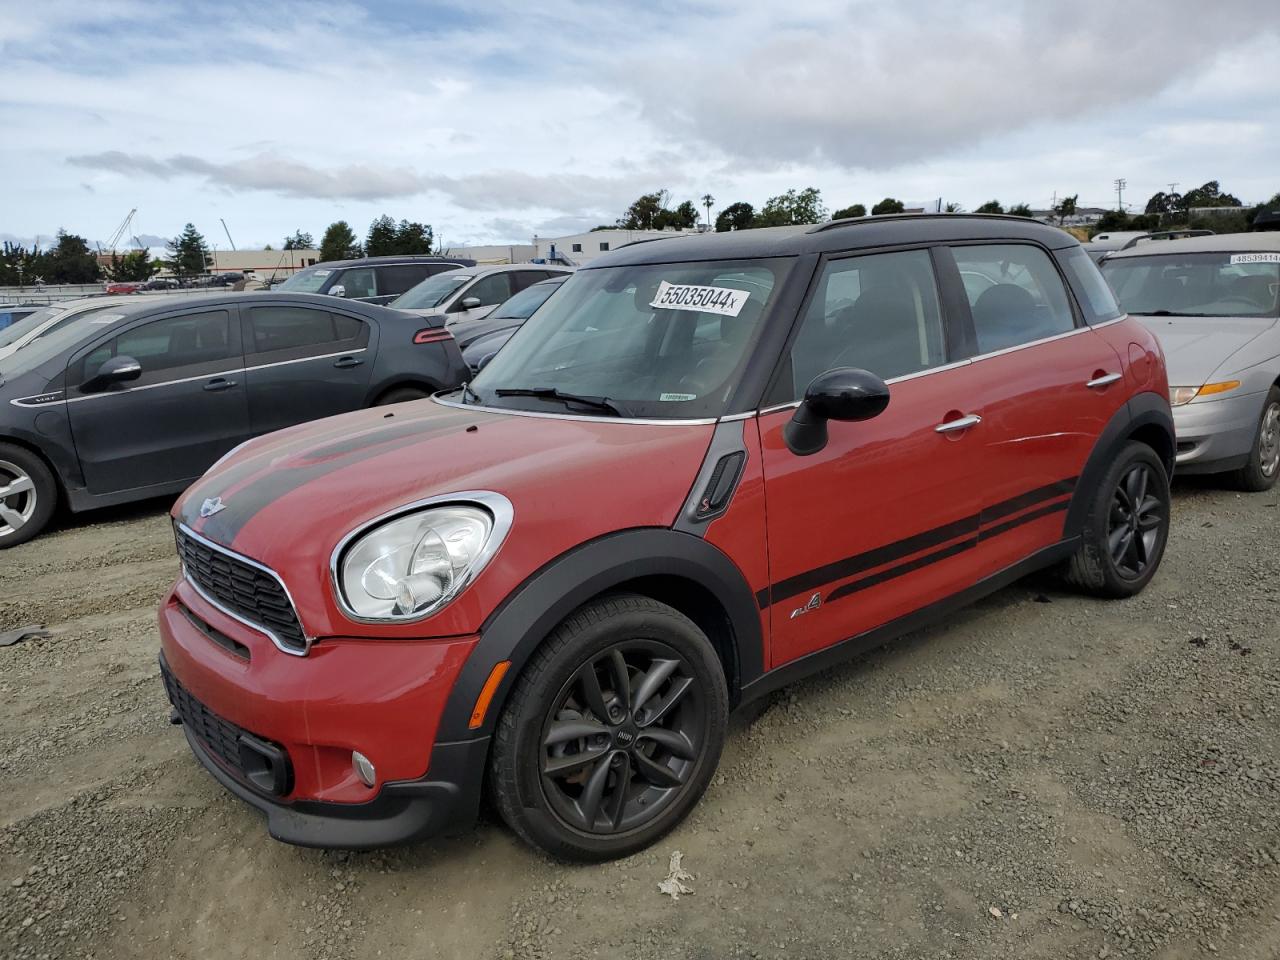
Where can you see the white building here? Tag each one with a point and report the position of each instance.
(578, 249)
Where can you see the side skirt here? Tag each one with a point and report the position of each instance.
(830, 656)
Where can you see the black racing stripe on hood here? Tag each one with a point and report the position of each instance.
(243, 503)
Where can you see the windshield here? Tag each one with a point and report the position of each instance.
(522, 305)
(21, 328)
(1197, 284)
(431, 292)
(63, 335)
(658, 341)
(306, 281)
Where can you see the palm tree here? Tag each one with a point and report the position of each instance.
(707, 201)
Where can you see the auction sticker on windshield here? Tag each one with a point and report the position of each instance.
(690, 296)
(1255, 258)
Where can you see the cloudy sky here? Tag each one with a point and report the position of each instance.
(499, 119)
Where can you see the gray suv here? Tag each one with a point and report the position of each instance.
(371, 279)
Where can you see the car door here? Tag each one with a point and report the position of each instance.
(878, 523)
(491, 290)
(304, 362)
(1049, 383)
(186, 409)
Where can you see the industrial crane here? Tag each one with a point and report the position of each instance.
(120, 230)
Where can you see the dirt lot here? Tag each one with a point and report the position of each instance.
(1043, 777)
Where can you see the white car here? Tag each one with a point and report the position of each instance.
(470, 293)
(50, 318)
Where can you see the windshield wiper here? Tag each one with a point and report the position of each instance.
(551, 393)
(468, 392)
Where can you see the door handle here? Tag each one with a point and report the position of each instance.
(963, 423)
(1104, 381)
(219, 383)
(347, 362)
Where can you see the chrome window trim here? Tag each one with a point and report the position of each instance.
(180, 380)
(498, 506)
(928, 372)
(308, 639)
(1030, 343)
(702, 421)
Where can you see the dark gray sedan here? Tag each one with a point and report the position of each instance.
(138, 400)
(1214, 303)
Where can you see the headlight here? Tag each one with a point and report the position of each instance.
(1183, 395)
(414, 564)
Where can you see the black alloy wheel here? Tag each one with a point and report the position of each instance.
(612, 731)
(1137, 520)
(1126, 527)
(622, 737)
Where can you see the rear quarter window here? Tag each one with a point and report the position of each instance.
(1091, 289)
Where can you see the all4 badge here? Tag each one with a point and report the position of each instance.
(814, 603)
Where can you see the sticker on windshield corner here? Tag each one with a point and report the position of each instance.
(108, 318)
(690, 296)
(1255, 258)
(678, 396)
(322, 273)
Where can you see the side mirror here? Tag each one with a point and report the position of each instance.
(337, 290)
(845, 393)
(114, 371)
(470, 303)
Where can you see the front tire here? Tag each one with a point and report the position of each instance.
(1126, 528)
(612, 732)
(1263, 467)
(28, 495)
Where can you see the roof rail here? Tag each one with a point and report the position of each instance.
(879, 217)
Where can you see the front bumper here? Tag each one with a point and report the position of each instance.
(279, 730)
(1214, 436)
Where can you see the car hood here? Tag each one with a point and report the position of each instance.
(288, 498)
(1195, 347)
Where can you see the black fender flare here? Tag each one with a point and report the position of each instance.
(1142, 410)
(532, 610)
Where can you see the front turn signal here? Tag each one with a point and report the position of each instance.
(1184, 395)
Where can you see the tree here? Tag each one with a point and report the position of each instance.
(991, 206)
(299, 241)
(887, 205)
(856, 210)
(413, 238)
(736, 216)
(707, 201)
(805, 206)
(1207, 195)
(133, 266)
(683, 217)
(643, 214)
(1066, 207)
(188, 253)
(1162, 202)
(69, 261)
(381, 239)
(339, 243)
(1021, 210)
(1112, 220)
(953, 208)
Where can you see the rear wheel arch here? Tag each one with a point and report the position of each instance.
(1147, 419)
(677, 569)
(35, 451)
(384, 390)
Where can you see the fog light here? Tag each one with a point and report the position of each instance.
(364, 769)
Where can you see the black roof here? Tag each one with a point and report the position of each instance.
(407, 258)
(835, 235)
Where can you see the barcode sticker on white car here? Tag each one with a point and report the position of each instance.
(1255, 258)
(690, 296)
(106, 318)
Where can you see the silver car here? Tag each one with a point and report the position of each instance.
(1214, 304)
(472, 293)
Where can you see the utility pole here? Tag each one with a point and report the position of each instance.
(1121, 183)
(1173, 187)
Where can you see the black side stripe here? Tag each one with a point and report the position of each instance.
(969, 527)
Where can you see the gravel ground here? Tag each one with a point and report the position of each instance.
(1044, 776)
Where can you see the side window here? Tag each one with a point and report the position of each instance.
(301, 329)
(1095, 296)
(526, 278)
(165, 346)
(359, 283)
(878, 312)
(604, 245)
(491, 290)
(577, 248)
(1015, 294)
(393, 281)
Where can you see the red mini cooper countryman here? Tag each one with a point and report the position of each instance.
(706, 467)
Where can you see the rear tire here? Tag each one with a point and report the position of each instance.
(612, 732)
(401, 395)
(1126, 528)
(1263, 467)
(28, 495)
